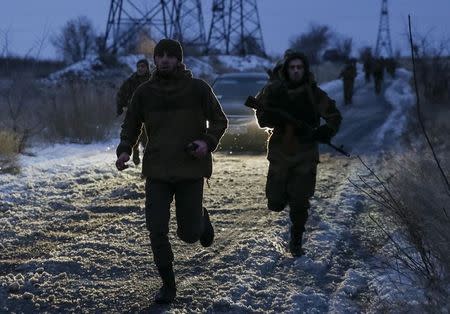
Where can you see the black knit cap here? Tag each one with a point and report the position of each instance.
(171, 47)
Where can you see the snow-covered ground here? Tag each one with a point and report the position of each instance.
(74, 239)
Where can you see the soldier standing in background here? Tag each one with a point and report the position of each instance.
(378, 74)
(391, 66)
(124, 96)
(368, 66)
(348, 76)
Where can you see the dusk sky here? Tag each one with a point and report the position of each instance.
(27, 22)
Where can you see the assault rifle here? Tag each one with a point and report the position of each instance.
(253, 103)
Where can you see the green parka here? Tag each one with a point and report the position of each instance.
(175, 112)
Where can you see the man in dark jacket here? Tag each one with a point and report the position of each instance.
(124, 95)
(292, 149)
(184, 123)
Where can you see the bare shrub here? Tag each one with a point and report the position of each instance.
(20, 109)
(415, 201)
(9, 149)
(80, 112)
(312, 42)
(433, 68)
(9, 143)
(76, 40)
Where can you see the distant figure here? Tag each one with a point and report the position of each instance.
(185, 122)
(124, 96)
(391, 66)
(348, 76)
(293, 96)
(378, 74)
(368, 68)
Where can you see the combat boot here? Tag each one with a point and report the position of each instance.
(207, 237)
(295, 244)
(168, 291)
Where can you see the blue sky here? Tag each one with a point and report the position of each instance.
(28, 22)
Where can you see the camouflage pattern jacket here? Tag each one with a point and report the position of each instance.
(306, 103)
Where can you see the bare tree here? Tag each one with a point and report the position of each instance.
(433, 67)
(4, 43)
(343, 46)
(313, 42)
(76, 39)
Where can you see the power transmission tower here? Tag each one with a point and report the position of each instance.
(235, 28)
(384, 46)
(177, 19)
(189, 24)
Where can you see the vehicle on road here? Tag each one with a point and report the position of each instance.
(232, 89)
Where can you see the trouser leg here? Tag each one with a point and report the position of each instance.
(350, 92)
(189, 210)
(300, 187)
(159, 195)
(276, 186)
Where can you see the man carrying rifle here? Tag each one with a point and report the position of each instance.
(292, 105)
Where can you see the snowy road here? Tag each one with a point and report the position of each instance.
(73, 236)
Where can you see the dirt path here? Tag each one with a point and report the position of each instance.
(78, 241)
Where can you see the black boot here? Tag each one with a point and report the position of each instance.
(295, 244)
(168, 291)
(207, 238)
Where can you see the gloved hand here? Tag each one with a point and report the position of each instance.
(119, 111)
(323, 134)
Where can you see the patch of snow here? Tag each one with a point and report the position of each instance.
(400, 96)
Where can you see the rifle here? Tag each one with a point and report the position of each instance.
(253, 103)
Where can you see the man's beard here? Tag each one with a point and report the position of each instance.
(167, 72)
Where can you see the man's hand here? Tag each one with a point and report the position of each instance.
(202, 149)
(121, 161)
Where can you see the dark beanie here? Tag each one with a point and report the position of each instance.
(144, 61)
(169, 46)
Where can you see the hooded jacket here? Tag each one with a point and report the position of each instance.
(304, 101)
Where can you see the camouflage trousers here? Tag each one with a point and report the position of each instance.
(293, 184)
